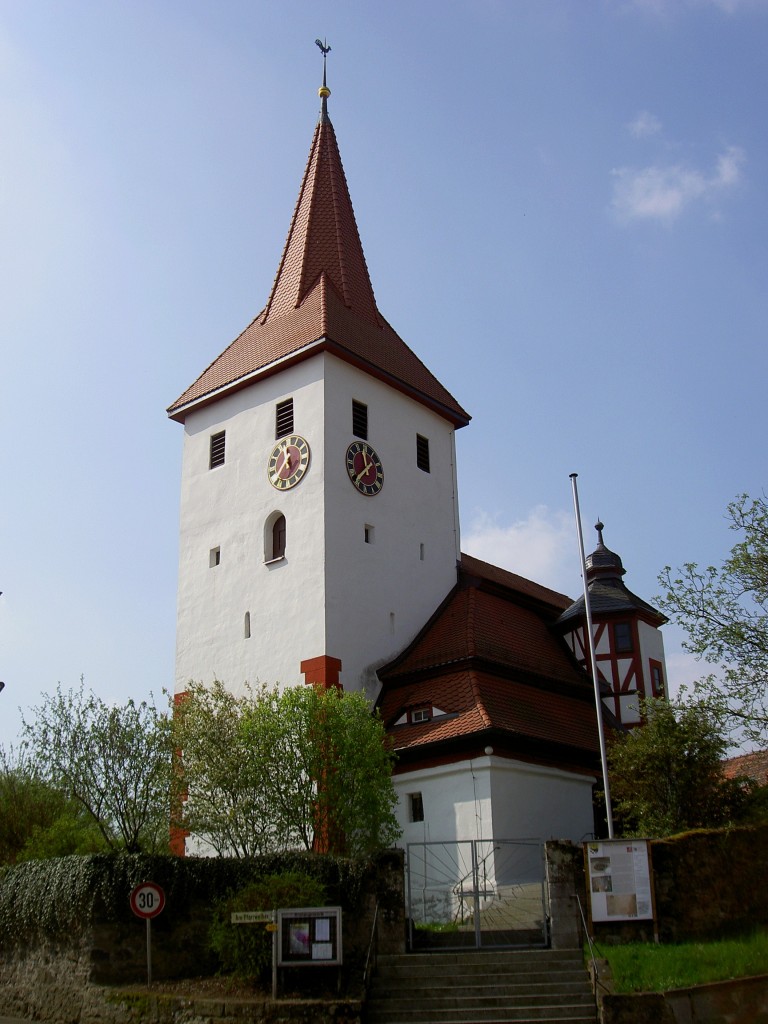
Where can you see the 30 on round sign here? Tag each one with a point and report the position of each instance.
(147, 899)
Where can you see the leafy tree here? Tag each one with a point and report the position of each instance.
(227, 763)
(115, 762)
(666, 777)
(725, 614)
(36, 819)
(269, 771)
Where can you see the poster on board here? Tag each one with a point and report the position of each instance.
(619, 879)
(309, 935)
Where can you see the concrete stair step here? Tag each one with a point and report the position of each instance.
(482, 988)
(480, 993)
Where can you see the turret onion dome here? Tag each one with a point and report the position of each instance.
(607, 592)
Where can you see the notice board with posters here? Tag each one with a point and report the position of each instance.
(619, 879)
(309, 936)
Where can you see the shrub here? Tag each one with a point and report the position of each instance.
(246, 949)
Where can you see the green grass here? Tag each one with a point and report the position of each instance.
(646, 967)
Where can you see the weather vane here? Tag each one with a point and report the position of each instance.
(324, 91)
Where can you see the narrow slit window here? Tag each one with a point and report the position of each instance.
(247, 626)
(214, 557)
(284, 418)
(360, 420)
(657, 679)
(368, 534)
(422, 452)
(218, 449)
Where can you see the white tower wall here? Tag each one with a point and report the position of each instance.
(333, 593)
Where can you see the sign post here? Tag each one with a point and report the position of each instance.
(147, 901)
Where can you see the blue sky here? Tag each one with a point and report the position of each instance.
(564, 210)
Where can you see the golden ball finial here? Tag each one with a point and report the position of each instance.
(324, 92)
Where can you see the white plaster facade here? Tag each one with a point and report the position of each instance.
(493, 796)
(333, 593)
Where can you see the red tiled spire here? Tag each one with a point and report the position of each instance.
(323, 238)
(321, 300)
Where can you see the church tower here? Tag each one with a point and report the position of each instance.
(319, 524)
(629, 647)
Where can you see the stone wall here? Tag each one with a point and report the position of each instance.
(711, 884)
(707, 884)
(745, 999)
(59, 977)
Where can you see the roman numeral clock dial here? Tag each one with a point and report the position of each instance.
(364, 468)
(288, 462)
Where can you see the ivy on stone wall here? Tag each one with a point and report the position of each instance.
(60, 898)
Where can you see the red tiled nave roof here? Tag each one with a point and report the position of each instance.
(748, 766)
(321, 300)
(490, 661)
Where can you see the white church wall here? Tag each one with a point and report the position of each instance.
(379, 594)
(455, 799)
(539, 802)
(227, 507)
(333, 593)
(495, 797)
(651, 649)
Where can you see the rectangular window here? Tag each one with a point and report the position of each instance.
(622, 637)
(214, 557)
(416, 807)
(218, 449)
(420, 715)
(284, 418)
(368, 534)
(657, 679)
(422, 452)
(360, 420)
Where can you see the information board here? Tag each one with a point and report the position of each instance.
(619, 879)
(309, 936)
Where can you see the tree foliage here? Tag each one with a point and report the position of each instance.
(724, 611)
(38, 820)
(666, 777)
(114, 762)
(246, 950)
(269, 771)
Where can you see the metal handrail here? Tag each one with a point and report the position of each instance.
(592, 948)
(371, 955)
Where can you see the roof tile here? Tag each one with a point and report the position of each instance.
(322, 299)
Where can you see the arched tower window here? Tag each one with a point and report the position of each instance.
(274, 537)
(278, 537)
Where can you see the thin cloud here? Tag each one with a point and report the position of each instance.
(542, 547)
(644, 124)
(664, 7)
(663, 193)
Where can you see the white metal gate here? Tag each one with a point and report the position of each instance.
(477, 893)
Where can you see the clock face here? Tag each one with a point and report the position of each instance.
(364, 468)
(288, 462)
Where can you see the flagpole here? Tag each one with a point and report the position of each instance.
(593, 660)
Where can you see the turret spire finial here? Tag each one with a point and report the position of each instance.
(324, 92)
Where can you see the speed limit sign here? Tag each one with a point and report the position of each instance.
(147, 900)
